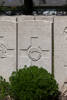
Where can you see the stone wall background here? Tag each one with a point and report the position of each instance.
(29, 40)
(35, 2)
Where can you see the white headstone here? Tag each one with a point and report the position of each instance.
(7, 46)
(60, 39)
(35, 42)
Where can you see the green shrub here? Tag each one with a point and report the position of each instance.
(4, 88)
(33, 83)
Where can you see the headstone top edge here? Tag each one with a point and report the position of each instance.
(36, 18)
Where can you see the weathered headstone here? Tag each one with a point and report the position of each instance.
(60, 40)
(34, 37)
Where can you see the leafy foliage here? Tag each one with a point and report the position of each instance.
(33, 83)
(4, 9)
(4, 88)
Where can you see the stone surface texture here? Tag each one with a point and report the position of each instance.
(7, 46)
(34, 46)
(35, 42)
(60, 44)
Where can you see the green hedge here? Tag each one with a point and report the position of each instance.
(5, 8)
(33, 83)
(4, 88)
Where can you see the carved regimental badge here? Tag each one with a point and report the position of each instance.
(34, 54)
(3, 51)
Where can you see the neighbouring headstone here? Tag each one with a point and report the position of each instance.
(7, 46)
(60, 44)
(34, 36)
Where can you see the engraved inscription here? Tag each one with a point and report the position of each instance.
(3, 51)
(65, 33)
(65, 65)
(65, 30)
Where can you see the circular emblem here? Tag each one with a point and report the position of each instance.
(34, 54)
(2, 51)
